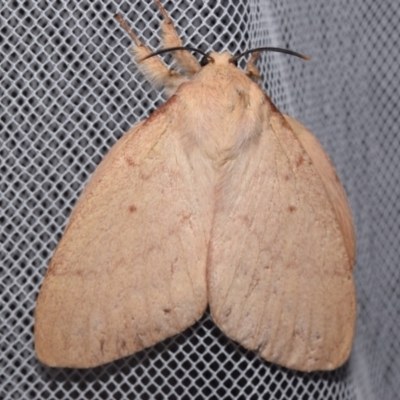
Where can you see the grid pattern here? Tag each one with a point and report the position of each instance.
(68, 91)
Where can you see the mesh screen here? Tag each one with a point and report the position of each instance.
(69, 90)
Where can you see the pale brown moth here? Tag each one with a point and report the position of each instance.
(216, 199)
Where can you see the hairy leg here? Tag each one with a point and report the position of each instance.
(185, 61)
(251, 69)
(153, 68)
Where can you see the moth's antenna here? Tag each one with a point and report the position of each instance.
(275, 49)
(162, 51)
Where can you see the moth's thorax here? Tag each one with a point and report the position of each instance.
(222, 109)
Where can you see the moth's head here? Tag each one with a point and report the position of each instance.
(217, 59)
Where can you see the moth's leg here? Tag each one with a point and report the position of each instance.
(185, 61)
(251, 69)
(153, 68)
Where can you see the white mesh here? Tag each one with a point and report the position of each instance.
(69, 90)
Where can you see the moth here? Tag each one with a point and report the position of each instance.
(219, 200)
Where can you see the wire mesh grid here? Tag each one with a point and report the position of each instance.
(69, 90)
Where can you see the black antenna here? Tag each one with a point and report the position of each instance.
(162, 51)
(275, 49)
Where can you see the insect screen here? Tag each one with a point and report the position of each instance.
(69, 90)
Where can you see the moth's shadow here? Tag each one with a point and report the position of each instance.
(201, 361)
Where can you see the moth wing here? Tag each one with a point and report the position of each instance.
(280, 268)
(330, 179)
(130, 268)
